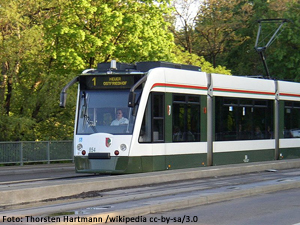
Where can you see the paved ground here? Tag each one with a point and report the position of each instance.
(119, 198)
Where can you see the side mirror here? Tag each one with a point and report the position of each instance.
(131, 99)
(63, 93)
(63, 99)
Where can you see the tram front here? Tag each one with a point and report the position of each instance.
(104, 122)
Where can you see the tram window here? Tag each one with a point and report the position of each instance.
(152, 129)
(230, 101)
(248, 119)
(186, 118)
(145, 132)
(195, 99)
(297, 105)
(291, 119)
(260, 103)
(158, 128)
(158, 117)
(158, 106)
(246, 102)
(288, 104)
(98, 108)
(179, 98)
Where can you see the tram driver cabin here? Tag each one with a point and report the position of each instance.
(179, 117)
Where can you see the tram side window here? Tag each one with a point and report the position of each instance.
(152, 129)
(186, 118)
(291, 119)
(244, 119)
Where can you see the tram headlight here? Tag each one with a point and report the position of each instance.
(79, 147)
(123, 147)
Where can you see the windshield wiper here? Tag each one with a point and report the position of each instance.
(84, 114)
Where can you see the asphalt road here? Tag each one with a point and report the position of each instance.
(33, 172)
(279, 208)
(127, 196)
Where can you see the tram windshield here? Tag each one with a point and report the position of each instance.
(105, 111)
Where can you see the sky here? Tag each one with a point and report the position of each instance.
(187, 10)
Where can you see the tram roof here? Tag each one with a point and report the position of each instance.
(139, 67)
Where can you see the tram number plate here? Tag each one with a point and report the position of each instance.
(92, 149)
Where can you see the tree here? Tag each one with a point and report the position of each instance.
(21, 42)
(185, 57)
(282, 56)
(81, 33)
(184, 19)
(45, 43)
(217, 27)
(182, 26)
(285, 56)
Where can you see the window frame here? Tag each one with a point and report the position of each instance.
(186, 103)
(154, 118)
(259, 124)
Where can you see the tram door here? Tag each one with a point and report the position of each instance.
(152, 134)
(171, 132)
(183, 145)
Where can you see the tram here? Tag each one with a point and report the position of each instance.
(153, 116)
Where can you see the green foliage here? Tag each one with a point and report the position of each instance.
(285, 58)
(282, 56)
(192, 59)
(44, 44)
(215, 28)
(82, 33)
(225, 34)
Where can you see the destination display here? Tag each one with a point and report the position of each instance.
(106, 82)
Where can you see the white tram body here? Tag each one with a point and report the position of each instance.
(289, 92)
(179, 117)
(243, 87)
